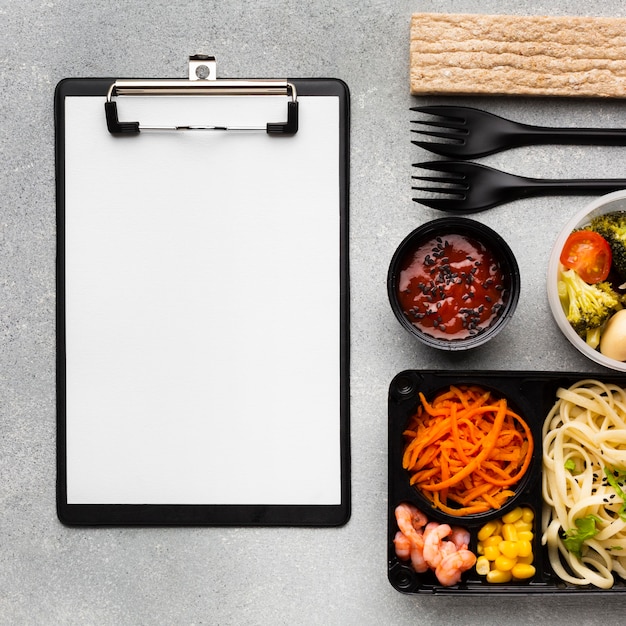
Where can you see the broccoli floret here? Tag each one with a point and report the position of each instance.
(612, 226)
(586, 306)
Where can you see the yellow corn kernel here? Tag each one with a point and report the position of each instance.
(512, 516)
(509, 549)
(487, 530)
(523, 570)
(526, 560)
(528, 515)
(492, 553)
(525, 535)
(509, 532)
(504, 563)
(494, 540)
(524, 548)
(497, 576)
(482, 566)
(521, 525)
(480, 549)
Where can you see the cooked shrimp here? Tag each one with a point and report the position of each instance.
(449, 571)
(410, 519)
(434, 534)
(432, 545)
(411, 522)
(402, 545)
(417, 558)
(447, 547)
(460, 537)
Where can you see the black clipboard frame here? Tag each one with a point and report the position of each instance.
(209, 514)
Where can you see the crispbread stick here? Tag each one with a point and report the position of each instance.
(455, 54)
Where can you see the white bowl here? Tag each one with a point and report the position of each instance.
(615, 201)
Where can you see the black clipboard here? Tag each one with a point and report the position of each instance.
(203, 306)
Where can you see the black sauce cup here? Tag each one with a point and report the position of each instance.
(493, 242)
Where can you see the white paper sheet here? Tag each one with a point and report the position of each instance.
(202, 305)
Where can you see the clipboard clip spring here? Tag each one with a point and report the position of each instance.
(202, 81)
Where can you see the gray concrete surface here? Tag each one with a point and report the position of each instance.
(50, 574)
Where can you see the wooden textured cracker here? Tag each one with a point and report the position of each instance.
(454, 54)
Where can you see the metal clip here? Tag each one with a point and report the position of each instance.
(202, 80)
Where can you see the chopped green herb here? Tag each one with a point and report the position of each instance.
(570, 465)
(575, 537)
(614, 477)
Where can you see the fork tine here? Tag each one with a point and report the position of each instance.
(441, 110)
(438, 133)
(441, 204)
(452, 115)
(439, 179)
(445, 122)
(456, 191)
(436, 147)
(451, 194)
(450, 167)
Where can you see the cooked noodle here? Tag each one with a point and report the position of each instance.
(584, 433)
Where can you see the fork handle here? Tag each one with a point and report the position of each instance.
(569, 186)
(528, 135)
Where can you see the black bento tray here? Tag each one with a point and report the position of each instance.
(532, 395)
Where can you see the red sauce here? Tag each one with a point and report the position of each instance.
(451, 287)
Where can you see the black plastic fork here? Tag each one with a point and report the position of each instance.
(468, 133)
(468, 187)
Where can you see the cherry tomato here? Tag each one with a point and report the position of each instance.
(588, 254)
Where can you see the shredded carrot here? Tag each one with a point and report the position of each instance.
(466, 449)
